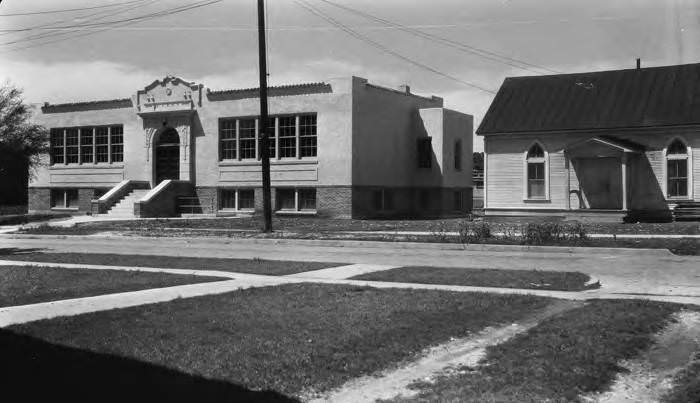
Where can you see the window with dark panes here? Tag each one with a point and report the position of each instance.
(227, 139)
(285, 199)
(227, 199)
(116, 134)
(101, 144)
(458, 155)
(425, 152)
(535, 173)
(57, 146)
(246, 138)
(72, 149)
(307, 135)
(677, 169)
(307, 199)
(246, 199)
(86, 145)
(287, 136)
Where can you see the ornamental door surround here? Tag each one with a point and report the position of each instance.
(170, 103)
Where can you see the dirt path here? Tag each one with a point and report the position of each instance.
(439, 360)
(651, 375)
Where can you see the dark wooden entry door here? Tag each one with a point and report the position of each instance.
(168, 156)
(601, 182)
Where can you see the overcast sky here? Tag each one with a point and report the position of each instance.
(217, 44)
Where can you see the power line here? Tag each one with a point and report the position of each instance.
(123, 23)
(66, 10)
(42, 35)
(487, 54)
(383, 48)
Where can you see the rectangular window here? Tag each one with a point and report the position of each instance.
(101, 144)
(425, 152)
(307, 199)
(64, 198)
(535, 180)
(246, 199)
(57, 146)
(72, 149)
(286, 199)
(86, 145)
(307, 135)
(458, 155)
(677, 172)
(227, 140)
(116, 134)
(287, 136)
(227, 199)
(271, 137)
(246, 135)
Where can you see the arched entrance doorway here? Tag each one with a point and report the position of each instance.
(167, 155)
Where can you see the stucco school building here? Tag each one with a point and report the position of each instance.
(610, 144)
(342, 148)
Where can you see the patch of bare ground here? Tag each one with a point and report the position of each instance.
(650, 376)
(451, 357)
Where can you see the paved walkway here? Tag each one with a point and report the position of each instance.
(336, 275)
(645, 271)
(342, 272)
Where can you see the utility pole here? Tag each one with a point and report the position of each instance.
(264, 139)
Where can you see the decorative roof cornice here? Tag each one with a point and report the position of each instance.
(87, 106)
(277, 91)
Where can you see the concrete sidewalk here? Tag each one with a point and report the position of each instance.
(337, 275)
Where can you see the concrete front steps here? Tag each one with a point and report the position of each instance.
(125, 207)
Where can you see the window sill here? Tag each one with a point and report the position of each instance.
(90, 165)
(233, 210)
(283, 161)
(537, 200)
(295, 212)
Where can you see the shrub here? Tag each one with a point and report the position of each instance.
(552, 232)
(474, 232)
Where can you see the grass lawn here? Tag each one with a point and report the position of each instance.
(534, 279)
(291, 339)
(28, 285)
(561, 358)
(252, 266)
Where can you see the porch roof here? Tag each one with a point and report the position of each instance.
(624, 146)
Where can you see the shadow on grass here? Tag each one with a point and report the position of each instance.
(41, 371)
(18, 251)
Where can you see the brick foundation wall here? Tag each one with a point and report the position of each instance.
(335, 202)
(411, 202)
(208, 199)
(39, 199)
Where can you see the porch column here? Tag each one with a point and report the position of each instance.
(623, 163)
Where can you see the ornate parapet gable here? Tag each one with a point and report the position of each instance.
(171, 94)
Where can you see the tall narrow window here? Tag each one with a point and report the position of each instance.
(425, 152)
(458, 155)
(57, 146)
(246, 133)
(116, 134)
(86, 145)
(271, 137)
(227, 140)
(72, 149)
(101, 144)
(287, 136)
(677, 169)
(307, 135)
(536, 173)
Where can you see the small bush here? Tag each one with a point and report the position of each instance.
(552, 232)
(474, 232)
